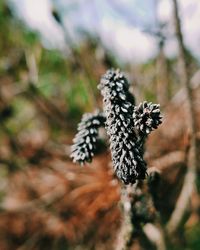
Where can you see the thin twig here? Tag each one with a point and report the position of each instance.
(77, 58)
(30, 242)
(45, 200)
(188, 186)
(39, 100)
(180, 96)
(165, 162)
(155, 235)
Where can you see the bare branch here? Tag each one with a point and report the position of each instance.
(155, 235)
(188, 186)
(125, 235)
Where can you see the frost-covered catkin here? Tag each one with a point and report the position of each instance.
(127, 156)
(85, 140)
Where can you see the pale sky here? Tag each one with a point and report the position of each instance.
(120, 24)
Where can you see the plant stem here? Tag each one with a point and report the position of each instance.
(181, 207)
(125, 235)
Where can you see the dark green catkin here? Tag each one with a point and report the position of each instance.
(126, 155)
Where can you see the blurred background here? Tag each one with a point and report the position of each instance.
(52, 55)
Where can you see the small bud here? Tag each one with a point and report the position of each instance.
(146, 117)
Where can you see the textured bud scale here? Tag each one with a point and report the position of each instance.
(127, 156)
(147, 117)
(85, 140)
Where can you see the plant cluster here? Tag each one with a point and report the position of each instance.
(126, 124)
